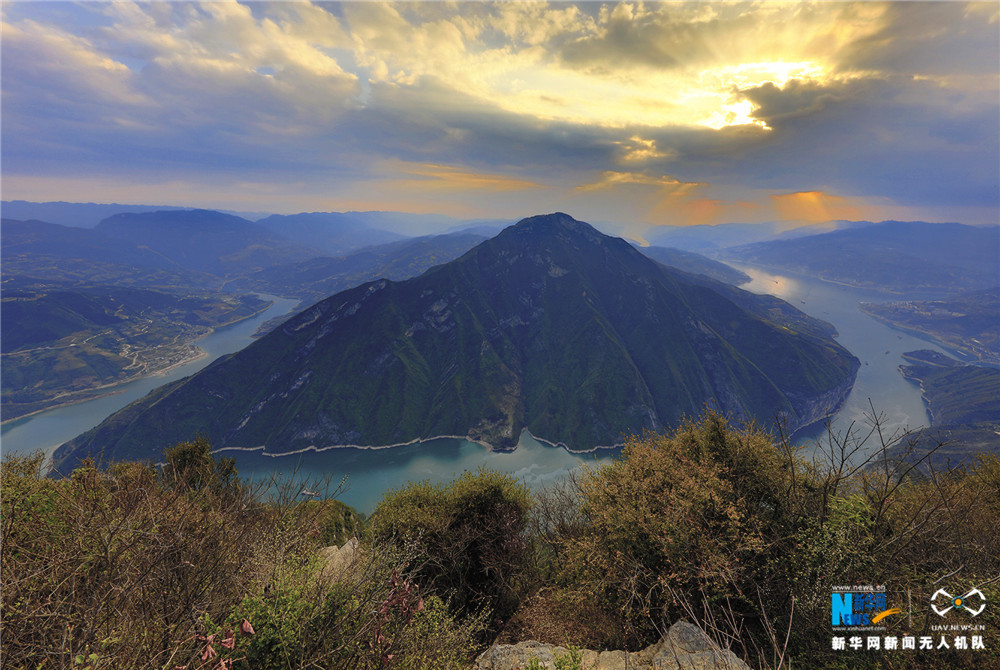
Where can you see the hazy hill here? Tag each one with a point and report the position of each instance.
(42, 251)
(550, 326)
(710, 239)
(77, 214)
(328, 233)
(64, 343)
(898, 256)
(317, 278)
(205, 240)
(695, 264)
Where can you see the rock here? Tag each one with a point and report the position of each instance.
(338, 559)
(685, 647)
(517, 656)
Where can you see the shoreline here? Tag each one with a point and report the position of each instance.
(420, 440)
(111, 389)
(933, 294)
(106, 390)
(966, 355)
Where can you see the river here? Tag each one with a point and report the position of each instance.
(371, 472)
(879, 383)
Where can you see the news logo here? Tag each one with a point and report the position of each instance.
(973, 602)
(858, 608)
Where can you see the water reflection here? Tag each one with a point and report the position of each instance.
(879, 348)
(786, 288)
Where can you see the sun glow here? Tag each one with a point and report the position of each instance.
(708, 98)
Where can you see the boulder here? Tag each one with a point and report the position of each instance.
(338, 559)
(684, 647)
(687, 647)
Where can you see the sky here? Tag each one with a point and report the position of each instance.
(639, 114)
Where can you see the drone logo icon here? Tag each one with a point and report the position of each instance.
(943, 602)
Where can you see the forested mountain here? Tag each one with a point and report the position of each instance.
(550, 326)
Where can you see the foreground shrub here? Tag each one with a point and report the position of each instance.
(468, 537)
(131, 568)
(681, 514)
(367, 616)
(114, 567)
(732, 529)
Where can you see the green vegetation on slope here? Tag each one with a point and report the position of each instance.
(964, 404)
(958, 394)
(65, 344)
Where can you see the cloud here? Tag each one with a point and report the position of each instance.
(588, 103)
(814, 207)
(426, 176)
(664, 184)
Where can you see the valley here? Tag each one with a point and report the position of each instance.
(832, 311)
(966, 322)
(964, 406)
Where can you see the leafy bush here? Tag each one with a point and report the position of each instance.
(191, 466)
(372, 617)
(678, 514)
(128, 568)
(331, 521)
(113, 564)
(468, 537)
(730, 528)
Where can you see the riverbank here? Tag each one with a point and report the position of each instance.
(46, 429)
(142, 362)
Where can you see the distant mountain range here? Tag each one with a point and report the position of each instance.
(317, 278)
(328, 233)
(696, 264)
(204, 240)
(75, 214)
(898, 256)
(550, 326)
(709, 239)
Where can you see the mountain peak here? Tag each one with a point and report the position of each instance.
(556, 222)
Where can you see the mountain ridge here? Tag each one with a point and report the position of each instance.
(550, 326)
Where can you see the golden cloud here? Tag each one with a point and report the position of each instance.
(665, 183)
(815, 207)
(450, 178)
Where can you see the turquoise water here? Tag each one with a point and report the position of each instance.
(371, 472)
(879, 348)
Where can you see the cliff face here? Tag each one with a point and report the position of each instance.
(551, 326)
(810, 410)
